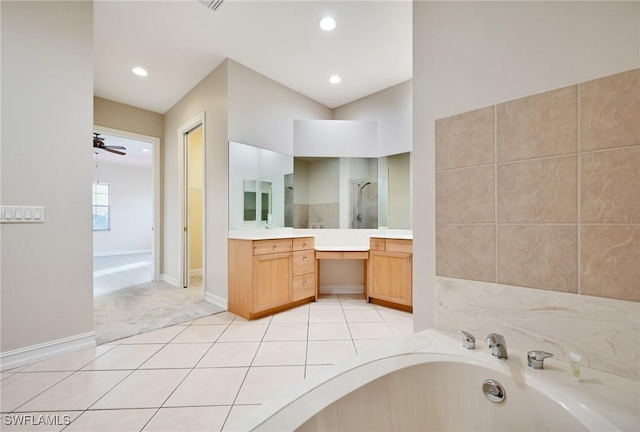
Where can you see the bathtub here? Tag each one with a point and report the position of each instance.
(428, 382)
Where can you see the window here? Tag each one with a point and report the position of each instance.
(101, 204)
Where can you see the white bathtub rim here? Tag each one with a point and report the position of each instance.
(317, 392)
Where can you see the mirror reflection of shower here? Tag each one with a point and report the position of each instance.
(364, 203)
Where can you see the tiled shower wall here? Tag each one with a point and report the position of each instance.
(544, 191)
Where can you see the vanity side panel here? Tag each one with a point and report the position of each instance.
(240, 276)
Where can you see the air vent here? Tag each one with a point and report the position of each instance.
(212, 4)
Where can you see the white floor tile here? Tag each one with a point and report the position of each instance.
(354, 301)
(217, 386)
(188, 419)
(38, 421)
(286, 332)
(243, 333)
(291, 317)
(259, 321)
(237, 412)
(287, 353)
(315, 370)
(329, 352)
(394, 315)
(126, 420)
(401, 328)
(332, 331)
(365, 345)
(229, 354)
(177, 356)
(124, 357)
(200, 333)
(362, 315)
(263, 383)
(219, 318)
(77, 392)
(370, 331)
(160, 336)
(143, 389)
(326, 316)
(21, 387)
(325, 305)
(70, 362)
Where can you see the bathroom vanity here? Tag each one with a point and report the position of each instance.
(269, 273)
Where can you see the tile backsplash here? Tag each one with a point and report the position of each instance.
(544, 191)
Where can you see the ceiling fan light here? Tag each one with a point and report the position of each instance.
(335, 79)
(139, 71)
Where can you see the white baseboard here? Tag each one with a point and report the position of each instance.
(43, 351)
(342, 289)
(170, 280)
(216, 300)
(195, 272)
(122, 252)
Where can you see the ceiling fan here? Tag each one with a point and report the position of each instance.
(98, 143)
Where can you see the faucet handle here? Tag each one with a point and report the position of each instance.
(468, 340)
(535, 359)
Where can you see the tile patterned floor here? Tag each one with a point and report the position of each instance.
(196, 376)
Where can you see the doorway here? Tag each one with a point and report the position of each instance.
(193, 205)
(125, 195)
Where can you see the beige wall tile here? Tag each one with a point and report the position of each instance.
(466, 195)
(540, 190)
(610, 111)
(610, 186)
(545, 124)
(466, 251)
(610, 261)
(539, 256)
(465, 139)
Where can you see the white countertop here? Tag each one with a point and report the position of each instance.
(326, 239)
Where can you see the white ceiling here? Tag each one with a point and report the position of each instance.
(179, 42)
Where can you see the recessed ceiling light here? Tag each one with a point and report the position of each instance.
(327, 23)
(145, 150)
(334, 79)
(139, 71)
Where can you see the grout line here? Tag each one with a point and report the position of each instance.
(465, 167)
(579, 196)
(495, 193)
(540, 158)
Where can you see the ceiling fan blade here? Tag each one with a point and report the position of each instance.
(111, 150)
(116, 147)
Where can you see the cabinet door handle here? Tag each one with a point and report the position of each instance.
(304, 257)
(304, 281)
(275, 246)
(304, 245)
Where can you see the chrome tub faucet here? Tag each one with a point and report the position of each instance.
(498, 345)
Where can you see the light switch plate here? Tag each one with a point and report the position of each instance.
(21, 214)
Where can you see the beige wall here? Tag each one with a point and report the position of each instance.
(392, 108)
(47, 97)
(116, 115)
(399, 191)
(533, 47)
(208, 97)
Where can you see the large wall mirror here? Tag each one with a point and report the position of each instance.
(268, 189)
(260, 188)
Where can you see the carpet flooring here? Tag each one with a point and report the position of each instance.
(145, 307)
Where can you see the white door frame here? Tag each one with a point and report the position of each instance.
(155, 174)
(194, 123)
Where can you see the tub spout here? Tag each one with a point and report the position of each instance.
(498, 345)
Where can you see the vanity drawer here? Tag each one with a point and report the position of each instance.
(304, 262)
(302, 243)
(304, 286)
(376, 243)
(398, 245)
(261, 247)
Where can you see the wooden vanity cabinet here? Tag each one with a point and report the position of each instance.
(390, 272)
(266, 276)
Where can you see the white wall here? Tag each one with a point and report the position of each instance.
(261, 111)
(392, 109)
(469, 55)
(335, 138)
(47, 121)
(131, 210)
